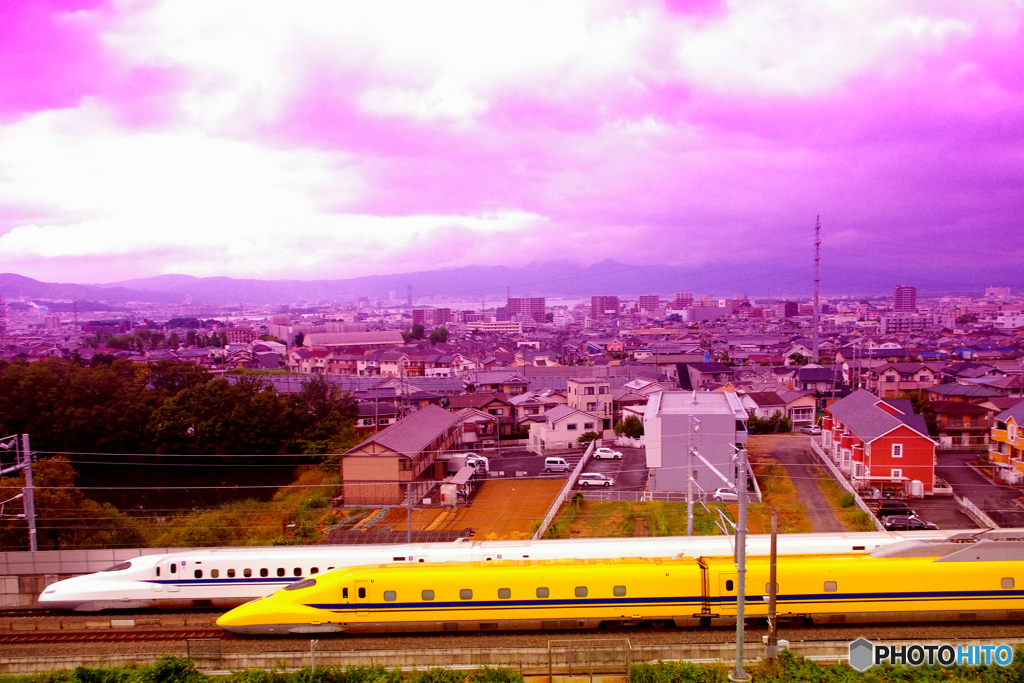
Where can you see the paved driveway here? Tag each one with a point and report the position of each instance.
(998, 501)
(793, 452)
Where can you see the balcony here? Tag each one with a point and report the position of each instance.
(999, 458)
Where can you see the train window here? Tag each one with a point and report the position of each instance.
(264, 572)
(729, 585)
(504, 593)
(344, 593)
(174, 569)
(330, 568)
(280, 571)
(581, 591)
(215, 573)
(768, 589)
(543, 592)
(199, 573)
(314, 570)
(305, 583)
(297, 571)
(231, 573)
(390, 596)
(831, 587)
(619, 591)
(362, 592)
(427, 595)
(466, 594)
(398, 559)
(247, 572)
(158, 571)
(1006, 582)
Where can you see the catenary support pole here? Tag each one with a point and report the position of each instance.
(738, 673)
(30, 500)
(773, 624)
(408, 511)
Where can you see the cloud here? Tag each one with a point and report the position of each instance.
(238, 138)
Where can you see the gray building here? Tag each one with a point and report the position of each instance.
(716, 422)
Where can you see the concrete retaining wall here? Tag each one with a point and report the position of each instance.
(531, 661)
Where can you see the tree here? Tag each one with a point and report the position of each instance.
(173, 340)
(587, 437)
(633, 427)
(417, 331)
(190, 338)
(300, 338)
(219, 418)
(439, 335)
(65, 518)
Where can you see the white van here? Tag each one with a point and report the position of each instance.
(555, 465)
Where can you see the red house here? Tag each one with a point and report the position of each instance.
(880, 443)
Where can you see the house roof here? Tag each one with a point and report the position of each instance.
(766, 398)
(1016, 412)
(413, 433)
(966, 390)
(478, 400)
(861, 414)
(560, 412)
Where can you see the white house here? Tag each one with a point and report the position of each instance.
(561, 429)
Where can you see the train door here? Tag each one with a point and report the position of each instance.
(727, 592)
(362, 597)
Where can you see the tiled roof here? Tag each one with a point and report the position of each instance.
(411, 434)
(1016, 412)
(860, 413)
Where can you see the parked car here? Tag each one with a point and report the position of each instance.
(813, 430)
(607, 453)
(555, 464)
(888, 508)
(594, 479)
(724, 496)
(907, 523)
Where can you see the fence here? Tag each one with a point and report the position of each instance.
(841, 479)
(977, 514)
(564, 493)
(579, 657)
(969, 444)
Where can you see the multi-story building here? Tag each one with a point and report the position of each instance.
(592, 396)
(604, 307)
(400, 458)
(532, 308)
(879, 443)
(904, 299)
(682, 300)
(714, 423)
(649, 302)
(1006, 444)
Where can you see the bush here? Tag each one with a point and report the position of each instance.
(587, 437)
(846, 500)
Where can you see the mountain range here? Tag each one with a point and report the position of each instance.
(469, 283)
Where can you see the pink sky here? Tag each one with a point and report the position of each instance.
(335, 139)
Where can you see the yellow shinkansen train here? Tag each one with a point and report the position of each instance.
(915, 581)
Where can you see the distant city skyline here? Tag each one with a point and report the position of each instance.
(326, 140)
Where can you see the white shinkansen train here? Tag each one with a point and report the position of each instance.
(226, 577)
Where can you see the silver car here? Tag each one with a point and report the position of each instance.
(594, 479)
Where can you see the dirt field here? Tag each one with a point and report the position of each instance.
(501, 510)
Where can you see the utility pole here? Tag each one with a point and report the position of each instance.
(739, 675)
(817, 282)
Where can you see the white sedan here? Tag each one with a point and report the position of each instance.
(607, 453)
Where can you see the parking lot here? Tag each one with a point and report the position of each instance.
(629, 473)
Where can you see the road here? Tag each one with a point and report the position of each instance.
(794, 453)
(998, 501)
(630, 473)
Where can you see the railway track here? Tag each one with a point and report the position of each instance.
(45, 637)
